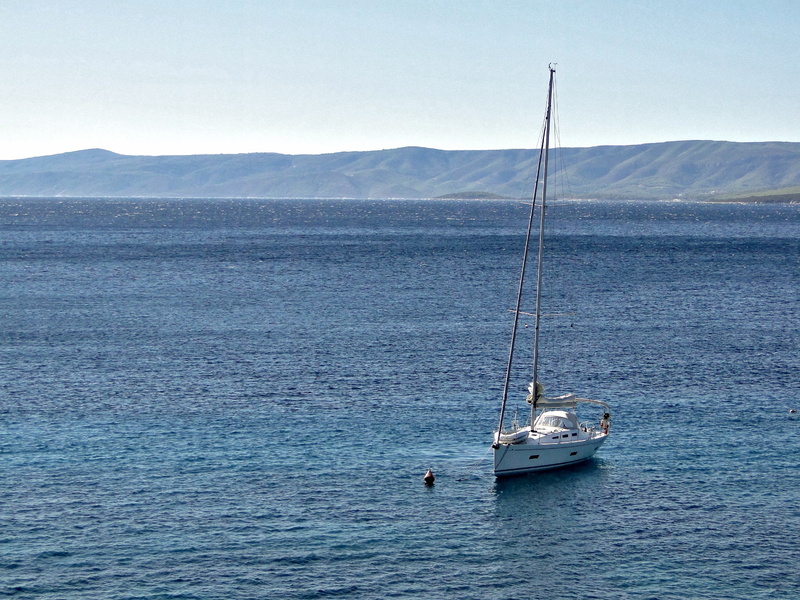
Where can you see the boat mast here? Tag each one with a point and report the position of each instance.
(542, 208)
(542, 153)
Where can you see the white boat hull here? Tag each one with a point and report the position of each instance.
(542, 452)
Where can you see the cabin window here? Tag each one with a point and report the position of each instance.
(533, 456)
(573, 453)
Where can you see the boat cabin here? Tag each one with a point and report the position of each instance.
(555, 420)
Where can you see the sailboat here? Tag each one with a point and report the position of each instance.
(553, 437)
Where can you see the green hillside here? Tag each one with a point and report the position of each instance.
(688, 169)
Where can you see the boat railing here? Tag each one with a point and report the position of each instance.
(515, 434)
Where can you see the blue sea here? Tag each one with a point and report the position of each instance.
(237, 399)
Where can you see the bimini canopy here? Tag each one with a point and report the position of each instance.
(567, 401)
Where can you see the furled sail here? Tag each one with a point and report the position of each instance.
(539, 392)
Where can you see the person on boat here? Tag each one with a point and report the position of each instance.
(605, 422)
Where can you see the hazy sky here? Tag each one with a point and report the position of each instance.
(314, 76)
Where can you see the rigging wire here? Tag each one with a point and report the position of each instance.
(541, 179)
(560, 334)
(562, 182)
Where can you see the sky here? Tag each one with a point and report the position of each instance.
(158, 77)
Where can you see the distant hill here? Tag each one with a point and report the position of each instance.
(689, 169)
